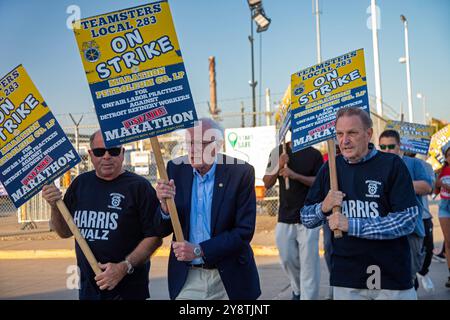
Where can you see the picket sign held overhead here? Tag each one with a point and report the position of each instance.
(137, 78)
(34, 149)
(318, 92)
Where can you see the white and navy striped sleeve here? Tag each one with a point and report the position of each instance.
(312, 216)
(394, 225)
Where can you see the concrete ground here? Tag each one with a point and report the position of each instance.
(39, 265)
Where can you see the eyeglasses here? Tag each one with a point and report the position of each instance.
(113, 152)
(387, 146)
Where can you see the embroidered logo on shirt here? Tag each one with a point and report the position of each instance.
(116, 198)
(372, 188)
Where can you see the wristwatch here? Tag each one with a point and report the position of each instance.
(130, 268)
(197, 251)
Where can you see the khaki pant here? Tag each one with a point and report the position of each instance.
(203, 284)
(299, 254)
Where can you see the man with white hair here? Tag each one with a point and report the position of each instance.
(216, 203)
(379, 209)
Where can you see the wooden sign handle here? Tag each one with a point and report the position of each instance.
(286, 180)
(78, 237)
(333, 178)
(170, 202)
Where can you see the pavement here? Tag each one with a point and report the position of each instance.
(37, 265)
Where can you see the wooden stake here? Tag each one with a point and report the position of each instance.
(170, 202)
(333, 178)
(78, 237)
(286, 180)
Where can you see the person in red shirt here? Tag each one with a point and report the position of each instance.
(443, 185)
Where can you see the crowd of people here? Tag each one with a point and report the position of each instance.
(385, 250)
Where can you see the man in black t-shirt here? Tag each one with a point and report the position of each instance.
(114, 210)
(298, 246)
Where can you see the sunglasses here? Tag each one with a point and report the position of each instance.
(387, 146)
(113, 152)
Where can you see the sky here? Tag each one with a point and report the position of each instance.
(34, 33)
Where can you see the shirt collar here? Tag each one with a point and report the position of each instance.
(372, 152)
(208, 175)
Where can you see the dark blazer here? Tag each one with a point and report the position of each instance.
(233, 216)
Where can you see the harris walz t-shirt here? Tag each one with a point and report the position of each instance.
(373, 189)
(114, 217)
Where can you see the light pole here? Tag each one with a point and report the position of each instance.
(258, 15)
(408, 71)
(422, 97)
(376, 58)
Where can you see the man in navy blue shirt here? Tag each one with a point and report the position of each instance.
(379, 209)
(389, 142)
(114, 210)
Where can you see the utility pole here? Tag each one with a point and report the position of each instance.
(316, 12)
(253, 83)
(376, 61)
(408, 70)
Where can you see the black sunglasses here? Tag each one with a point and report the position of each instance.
(113, 152)
(387, 146)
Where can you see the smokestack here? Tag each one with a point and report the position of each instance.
(212, 87)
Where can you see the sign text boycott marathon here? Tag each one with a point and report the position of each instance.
(136, 74)
(318, 92)
(33, 148)
(414, 137)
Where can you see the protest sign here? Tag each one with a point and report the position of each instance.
(414, 137)
(439, 140)
(34, 149)
(284, 112)
(318, 92)
(136, 73)
(137, 78)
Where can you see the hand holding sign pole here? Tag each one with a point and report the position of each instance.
(78, 237)
(286, 179)
(285, 114)
(333, 178)
(170, 202)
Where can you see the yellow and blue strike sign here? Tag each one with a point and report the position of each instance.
(414, 137)
(33, 148)
(318, 92)
(136, 74)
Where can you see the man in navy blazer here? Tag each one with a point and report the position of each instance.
(216, 203)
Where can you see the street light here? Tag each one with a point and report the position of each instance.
(262, 21)
(408, 72)
(422, 97)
